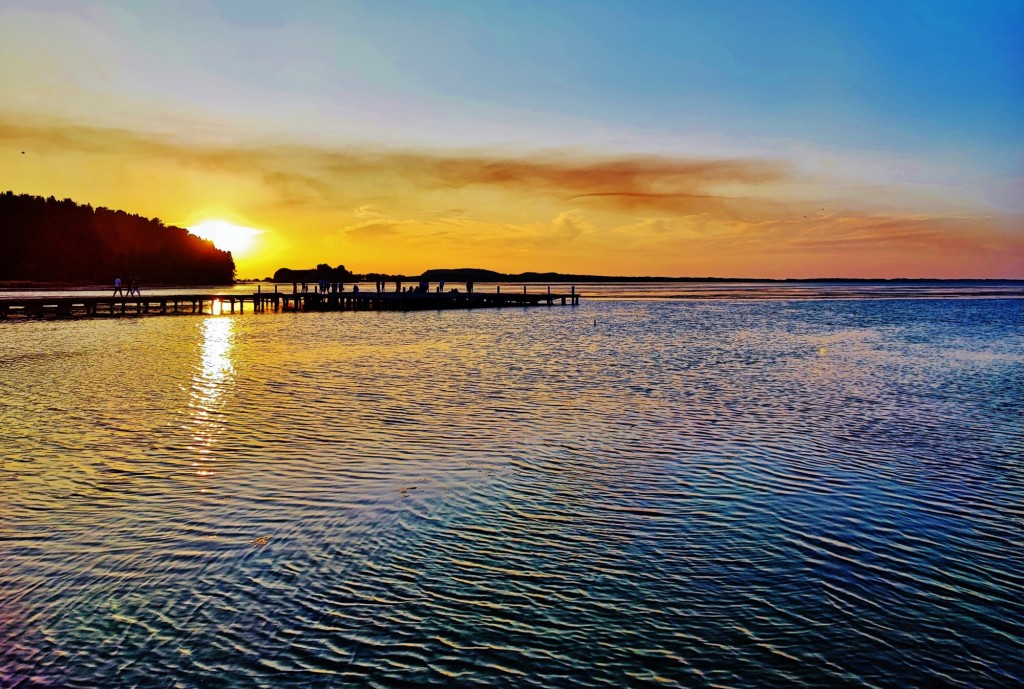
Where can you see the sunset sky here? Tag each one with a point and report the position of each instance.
(719, 138)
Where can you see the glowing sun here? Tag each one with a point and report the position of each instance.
(227, 236)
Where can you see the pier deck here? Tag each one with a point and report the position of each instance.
(261, 302)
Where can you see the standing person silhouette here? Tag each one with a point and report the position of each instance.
(117, 288)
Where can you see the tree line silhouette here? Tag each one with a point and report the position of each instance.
(322, 272)
(46, 240)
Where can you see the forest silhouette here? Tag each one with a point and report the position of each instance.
(46, 240)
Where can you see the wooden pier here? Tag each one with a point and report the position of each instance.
(262, 302)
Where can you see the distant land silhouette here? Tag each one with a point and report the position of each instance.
(459, 275)
(321, 272)
(46, 240)
(482, 275)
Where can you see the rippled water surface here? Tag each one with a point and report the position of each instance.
(725, 493)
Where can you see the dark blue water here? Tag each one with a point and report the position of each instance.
(727, 493)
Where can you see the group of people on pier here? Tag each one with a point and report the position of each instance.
(133, 287)
(323, 287)
(422, 288)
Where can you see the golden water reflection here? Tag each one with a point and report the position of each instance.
(213, 375)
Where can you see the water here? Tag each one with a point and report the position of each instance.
(632, 492)
(945, 289)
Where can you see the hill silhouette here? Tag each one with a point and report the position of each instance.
(46, 240)
(322, 272)
(484, 275)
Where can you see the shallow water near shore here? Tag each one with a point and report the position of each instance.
(632, 492)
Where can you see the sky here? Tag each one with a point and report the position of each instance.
(795, 139)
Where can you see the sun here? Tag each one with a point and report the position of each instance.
(227, 236)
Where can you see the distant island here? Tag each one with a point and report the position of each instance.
(322, 273)
(482, 275)
(43, 240)
(455, 275)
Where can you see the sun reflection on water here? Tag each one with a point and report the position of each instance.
(212, 376)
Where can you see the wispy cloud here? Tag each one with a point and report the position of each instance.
(565, 210)
(327, 176)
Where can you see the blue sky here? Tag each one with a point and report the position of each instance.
(913, 107)
(914, 74)
(917, 74)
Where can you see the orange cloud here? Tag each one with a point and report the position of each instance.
(391, 210)
(302, 174)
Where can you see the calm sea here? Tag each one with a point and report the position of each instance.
(760, 489)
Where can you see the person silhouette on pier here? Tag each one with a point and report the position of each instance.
(117, 288)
